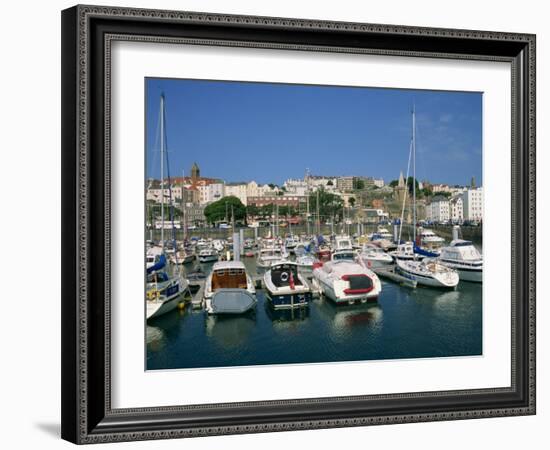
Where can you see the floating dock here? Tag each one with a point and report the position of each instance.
(197, 300)
(390, 274)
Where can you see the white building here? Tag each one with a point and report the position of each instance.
(457, 208)
(298, 187)
(236, 190)
(378, 182)
(210, 193)
(473, 204)
(438, 210)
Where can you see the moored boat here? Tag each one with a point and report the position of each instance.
(347, 282)
(229, 277)
(428, 272)
(286, 287)
(462, 256)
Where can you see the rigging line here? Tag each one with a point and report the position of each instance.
(406, 193)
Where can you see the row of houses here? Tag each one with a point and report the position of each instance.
(467, 205)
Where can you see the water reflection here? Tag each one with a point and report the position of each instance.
(230, 331)
(343, 319)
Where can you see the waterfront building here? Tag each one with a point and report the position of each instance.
(345, 184)
(298, 187)
(210, 193)
(280, 200)
(236, 190)
(195, 215)
(315, 182)
(439, 209)
(473, 204)
(457, 208)
(378, 182)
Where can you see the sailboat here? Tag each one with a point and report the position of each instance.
(163, 291)
(427, 272)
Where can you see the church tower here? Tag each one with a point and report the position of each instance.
(195, 172)
(400, 190)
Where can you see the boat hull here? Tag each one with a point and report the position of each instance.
(289, 300)
(328, 291)
(156, 309)
(425, 280)
(209, 258)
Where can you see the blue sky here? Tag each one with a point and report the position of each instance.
(270, 132)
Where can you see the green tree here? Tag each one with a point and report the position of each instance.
(394, 183)
(359, 184)
(329, 204)
(351, 201)
(330, 183)
(216, 212)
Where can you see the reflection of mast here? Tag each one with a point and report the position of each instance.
(183, 207)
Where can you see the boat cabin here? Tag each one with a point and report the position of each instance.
(285, 274)
(229, 276)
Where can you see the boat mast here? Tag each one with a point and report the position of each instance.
(162, 168)
(307, 200)
(414, 172)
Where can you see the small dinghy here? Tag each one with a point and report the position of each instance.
(232, 301)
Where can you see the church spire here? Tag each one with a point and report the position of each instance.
(401, 182)
(195, 172)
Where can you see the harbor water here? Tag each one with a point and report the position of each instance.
(405, 323)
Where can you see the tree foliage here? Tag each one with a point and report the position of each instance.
(330, 205)
(221, 210)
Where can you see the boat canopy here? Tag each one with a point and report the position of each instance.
(421, 251)
(158, 265)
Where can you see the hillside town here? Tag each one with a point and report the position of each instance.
(351, 199)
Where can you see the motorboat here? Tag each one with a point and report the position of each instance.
(428, 272)
(291, 242)
(405, 251)
(347, 282)
(236, 289)
(163, 292)
(152, 256)
(305, 262)
(373, 256)
(208, 254)
(429, 238)
(286, 287)
(342, 242)
(269, 255)
(462, 256)
(182, 257)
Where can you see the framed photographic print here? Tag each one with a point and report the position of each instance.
(281, 224)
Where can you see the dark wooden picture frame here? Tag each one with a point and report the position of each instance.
(87, 33)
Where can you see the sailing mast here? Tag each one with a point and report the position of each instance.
(414, 172)
(162, 168)
(307, 201)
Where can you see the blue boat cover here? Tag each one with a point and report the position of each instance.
(421, 251)
(158, 265)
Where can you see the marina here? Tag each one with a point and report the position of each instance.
(403, 323)
(319, 269)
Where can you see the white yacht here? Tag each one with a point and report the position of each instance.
(163, 293)
(373, 256)
(269, 255)
(428, 238)
(228, 289)
(286, 287)
(152, 256)
(428, 272)
(347, 282)
(463, 257)
(405, 251)
(208, 254)
(305, 262)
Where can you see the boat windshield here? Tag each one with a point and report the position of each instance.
(343, 256)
